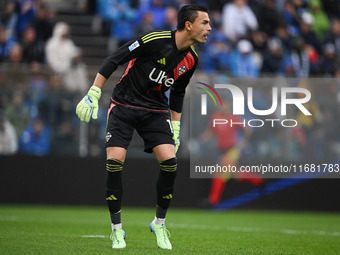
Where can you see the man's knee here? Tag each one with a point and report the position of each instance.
(164, 152)
(117, 153)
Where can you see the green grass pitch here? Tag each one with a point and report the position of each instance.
(85, 230)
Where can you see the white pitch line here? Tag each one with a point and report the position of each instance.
(8, 218)
(94, 236)
(247, 229)
(312, 232)
(233, 228)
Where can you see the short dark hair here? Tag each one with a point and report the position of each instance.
(188, 13)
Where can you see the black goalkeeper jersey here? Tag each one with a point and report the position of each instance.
(155, 65)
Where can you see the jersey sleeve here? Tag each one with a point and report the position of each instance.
(127, 52)
(177, 92)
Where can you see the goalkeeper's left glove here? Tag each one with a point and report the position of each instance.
(88, 106)
(176, 126)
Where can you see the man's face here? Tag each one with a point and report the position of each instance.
(201, 27)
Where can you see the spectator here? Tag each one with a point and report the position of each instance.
(6, 44)
(60, 49)
(43, 25)
(333, 36)
(37, 99)
(299, 59)
(8, 137)
(109, 10)
(35, 139)
(216, 55)
(32, 53)
(269, 18)
(332, 8)
(146, 24)
(18, 113)
(64, 142)
(123, 23)
(170, 18)
(299, 5)
(307, 32)
(9, 17)
(64, 58)
(285, 38)
(15, 57)
(27, 10)
(13, 67)
(237, 20)
(216, 5)
(274, 58)
(321, 22)
(329, 60)
(58, 103)
(258, 40)
(291, 18)
(159, 13)
(242, 62)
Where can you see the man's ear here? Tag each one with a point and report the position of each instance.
(188, 25)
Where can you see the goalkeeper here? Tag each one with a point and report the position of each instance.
(157, 62)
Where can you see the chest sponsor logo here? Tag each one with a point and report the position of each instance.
(160, 77)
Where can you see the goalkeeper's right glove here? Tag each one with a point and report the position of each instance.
(88, 106)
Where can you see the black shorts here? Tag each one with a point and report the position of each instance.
(154, 126)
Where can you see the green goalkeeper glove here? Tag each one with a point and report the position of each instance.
(88, 106)
(176, 126)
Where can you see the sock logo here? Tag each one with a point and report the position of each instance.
(167, 196)
(112, 197)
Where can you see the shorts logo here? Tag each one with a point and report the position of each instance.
(108, 136)
(181, 70)
(134, 46)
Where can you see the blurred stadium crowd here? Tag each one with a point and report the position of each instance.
(42, 74)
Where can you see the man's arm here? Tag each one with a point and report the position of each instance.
(88, 106)
(177, 91)
(99, 81)
(177, 94)
(176, 104)
(175, 116)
